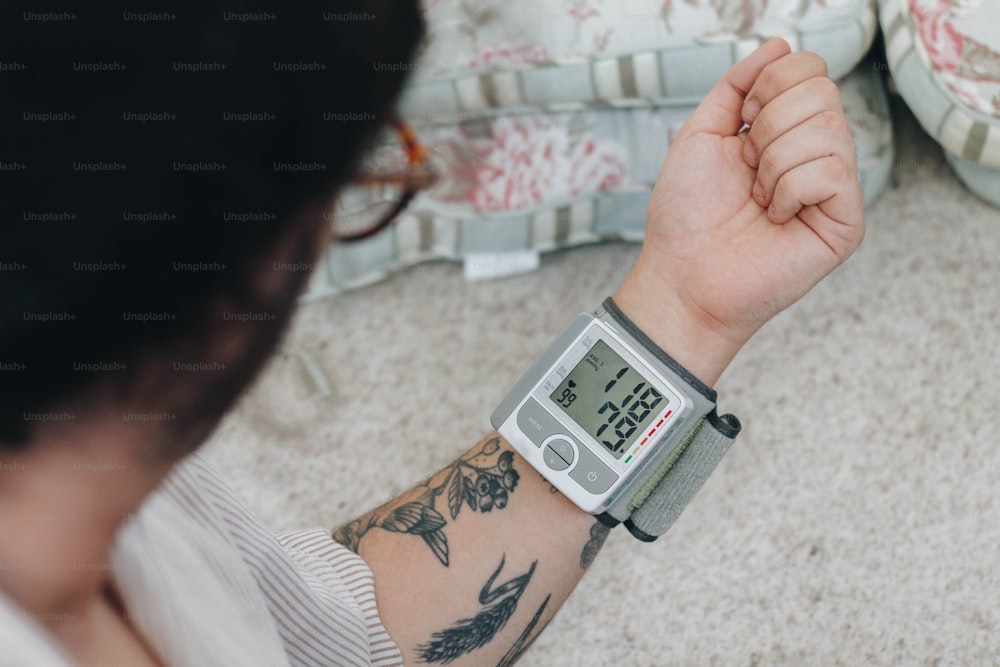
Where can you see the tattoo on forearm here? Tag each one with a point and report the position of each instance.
(598, 533)
(481, 480)
(469, 634)
(552, 489)
(525, 640)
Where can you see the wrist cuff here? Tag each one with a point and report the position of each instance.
(649, 511)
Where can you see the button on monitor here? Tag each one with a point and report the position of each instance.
(536, 423)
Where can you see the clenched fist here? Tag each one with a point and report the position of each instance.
(757, 201)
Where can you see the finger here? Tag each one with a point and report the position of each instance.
(824, 134)
(827, 197)
(793, 107)
(719, 112)
(779, 76)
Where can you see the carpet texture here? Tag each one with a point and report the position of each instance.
(854, 522)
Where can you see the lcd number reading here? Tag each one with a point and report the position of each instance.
(609, 399)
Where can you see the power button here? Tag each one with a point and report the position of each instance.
(592, 474)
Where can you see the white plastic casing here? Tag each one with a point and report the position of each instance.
(552, 441)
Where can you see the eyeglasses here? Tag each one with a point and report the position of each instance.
(391, 176)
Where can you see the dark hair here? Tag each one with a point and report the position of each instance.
(151, 163)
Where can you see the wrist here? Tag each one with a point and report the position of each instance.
(703, 347)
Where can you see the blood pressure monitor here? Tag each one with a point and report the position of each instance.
(615, 424)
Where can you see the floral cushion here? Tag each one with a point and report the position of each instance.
(485, 55)
(945, 60)
(550, 119)
(533, 182)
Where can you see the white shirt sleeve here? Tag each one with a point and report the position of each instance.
(320, 594)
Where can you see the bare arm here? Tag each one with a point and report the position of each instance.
(471, 564)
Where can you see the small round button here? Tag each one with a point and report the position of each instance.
(558, 454)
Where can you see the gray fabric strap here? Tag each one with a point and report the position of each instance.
(650, 510)
(655, 507)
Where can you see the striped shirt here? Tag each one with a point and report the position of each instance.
(206, 583)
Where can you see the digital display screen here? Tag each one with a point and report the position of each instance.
(609, 399)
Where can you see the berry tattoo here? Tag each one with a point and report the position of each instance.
(482, 480)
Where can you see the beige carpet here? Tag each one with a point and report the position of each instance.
(855, 521)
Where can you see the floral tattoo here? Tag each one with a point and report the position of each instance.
(480, 480)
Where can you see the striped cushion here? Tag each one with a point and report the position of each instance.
(558, 54)
(551, 118)
(945, 60)
(438, 226)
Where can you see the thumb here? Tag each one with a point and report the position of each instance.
(719, 112)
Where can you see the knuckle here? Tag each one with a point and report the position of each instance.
(837, 170)
(828, 91)
(763, 129)
(767, 166)
(782, 191)
(768, 79)
(831, 122)
(816, 62)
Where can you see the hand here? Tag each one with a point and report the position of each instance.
(741, 224)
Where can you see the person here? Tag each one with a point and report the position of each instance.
(120, 545)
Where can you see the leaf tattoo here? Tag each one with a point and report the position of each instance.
(456, 494)
(469, 634)
(525, 640)
(474, 481)
(598, 533)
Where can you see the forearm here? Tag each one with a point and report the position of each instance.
(470, 565)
